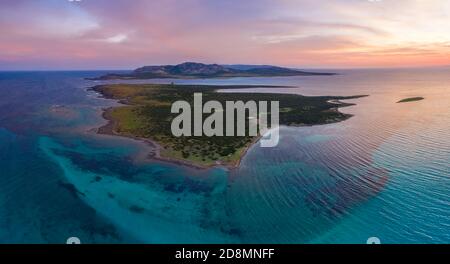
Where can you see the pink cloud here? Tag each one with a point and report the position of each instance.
(127, 34)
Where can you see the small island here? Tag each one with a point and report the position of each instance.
(188, 70)
(411, 99)
(146, 115)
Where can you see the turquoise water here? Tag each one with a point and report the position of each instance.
(385, 172)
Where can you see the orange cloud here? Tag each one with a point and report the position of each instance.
(305, 33)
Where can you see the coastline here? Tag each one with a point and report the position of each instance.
(155, 154)
(156, 149)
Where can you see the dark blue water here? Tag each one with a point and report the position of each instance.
(385, 172)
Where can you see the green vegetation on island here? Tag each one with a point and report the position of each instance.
(411, 99)
(146, 114)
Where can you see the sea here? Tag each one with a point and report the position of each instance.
(383, 173)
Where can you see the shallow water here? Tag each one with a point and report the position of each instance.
(385, 172)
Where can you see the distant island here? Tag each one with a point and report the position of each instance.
(146, 116)
(200, 70)
(411, 99)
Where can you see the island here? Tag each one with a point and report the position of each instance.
(199, 70)
(146, 115)
(411, 99)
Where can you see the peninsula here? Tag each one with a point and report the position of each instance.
(146, 115)
(200, 70)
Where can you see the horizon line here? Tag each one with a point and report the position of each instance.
(294, 67)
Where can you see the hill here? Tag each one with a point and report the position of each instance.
(200, 70)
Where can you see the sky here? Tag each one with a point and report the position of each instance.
(124, 34)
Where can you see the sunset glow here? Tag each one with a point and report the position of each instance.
(122, 34)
